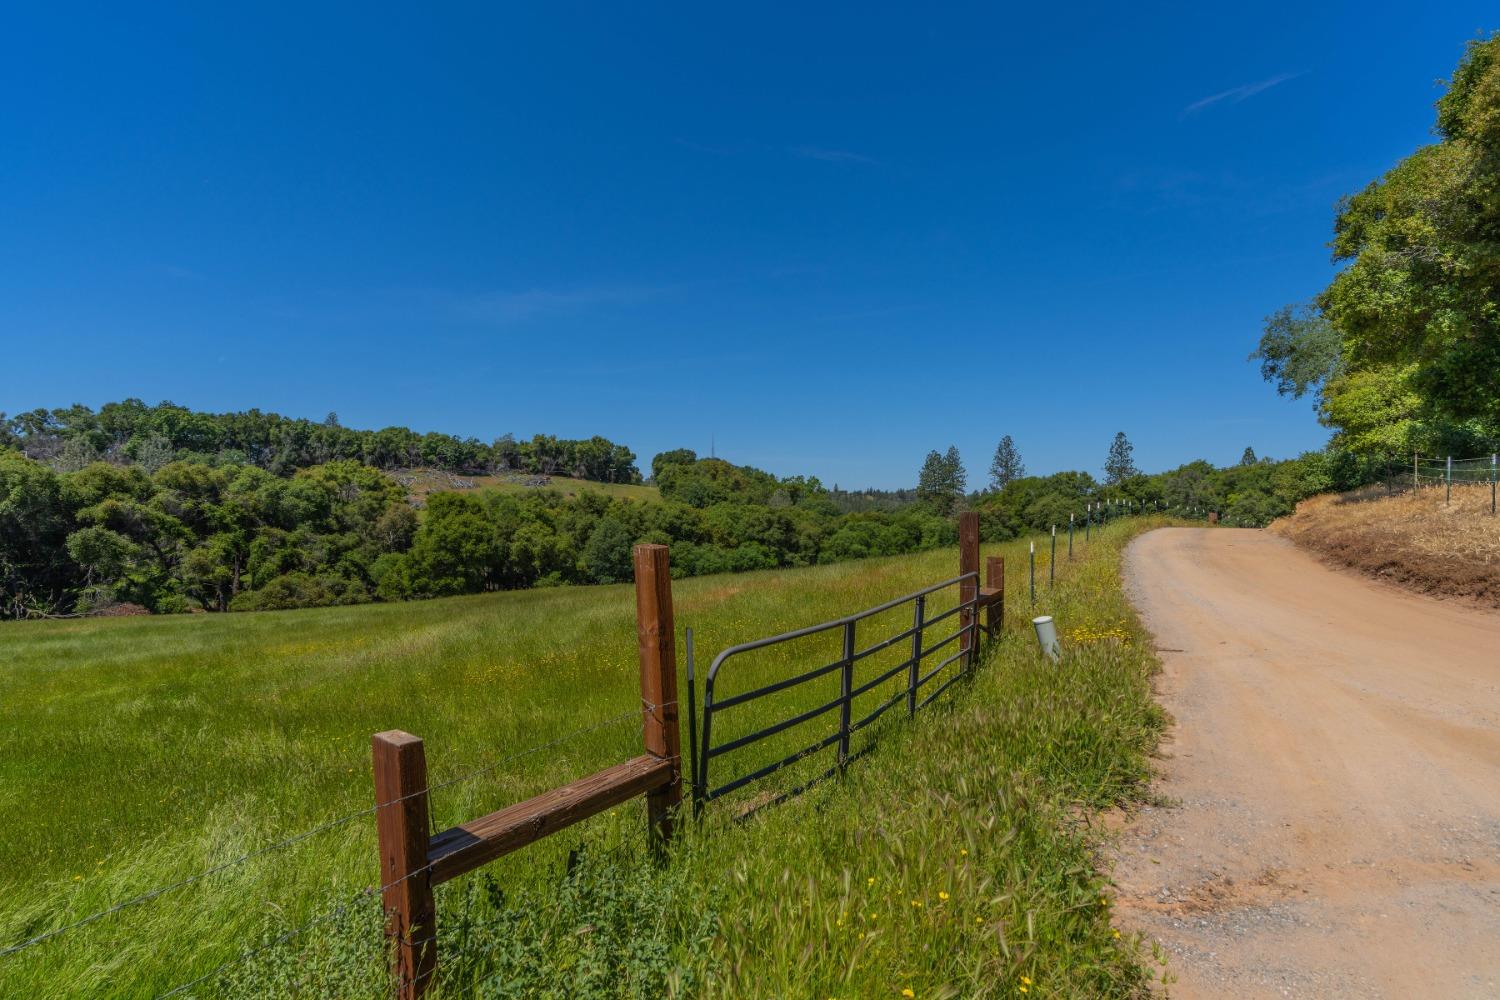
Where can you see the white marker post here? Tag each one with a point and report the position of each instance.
(1046, 637)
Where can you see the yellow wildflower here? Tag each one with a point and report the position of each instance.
(942, 895)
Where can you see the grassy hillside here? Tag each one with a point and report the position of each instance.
(1415, 539)
(137, 752)
(420, 483)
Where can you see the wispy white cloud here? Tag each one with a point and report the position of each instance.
(505, 307)
(830, 155)
(1237, 94)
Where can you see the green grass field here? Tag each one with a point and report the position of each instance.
(950, 862)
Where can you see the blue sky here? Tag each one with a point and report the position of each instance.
(830, 239)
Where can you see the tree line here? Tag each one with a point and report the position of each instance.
(1252, 493)
(1401, 352)
(196, 534)
(131, 432)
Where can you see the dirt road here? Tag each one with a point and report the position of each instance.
(1334, 774)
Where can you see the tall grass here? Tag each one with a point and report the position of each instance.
(952, 860)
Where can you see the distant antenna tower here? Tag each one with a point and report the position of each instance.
(711, 452)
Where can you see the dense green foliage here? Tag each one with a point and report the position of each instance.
(237, 537)
(1402, 349)
(130, 432)
(192, 536)
(214, 736)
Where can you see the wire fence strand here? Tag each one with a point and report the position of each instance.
(333, 824)
(340, 910)
(280, 939)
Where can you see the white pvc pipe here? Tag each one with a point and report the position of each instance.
(1046, 636)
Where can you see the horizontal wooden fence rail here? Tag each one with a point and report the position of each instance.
(460, 849)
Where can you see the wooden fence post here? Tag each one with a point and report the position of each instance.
(968, 590)
(994, 578)
(401, 826)
(654, 627)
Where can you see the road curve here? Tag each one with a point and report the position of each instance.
(1331, 825)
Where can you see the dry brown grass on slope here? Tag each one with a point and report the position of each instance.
(1416, 540)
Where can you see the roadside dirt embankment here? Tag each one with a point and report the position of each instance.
(1415, 540)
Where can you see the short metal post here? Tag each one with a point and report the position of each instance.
(1449, 497)
(1052, 560)
(1493, 477)
(695, 788)
(1070, 538)
(1088, 521)
(1033, 572)
(846, 690)
(914, 670)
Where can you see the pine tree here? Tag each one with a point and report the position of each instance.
(1119, 466)
(957, 480)
(1006, 465)
(930, 480)
(942, 482)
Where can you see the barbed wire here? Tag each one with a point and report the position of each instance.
(333, 824)
(340, 910)
(146, 897)
(280, 939)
